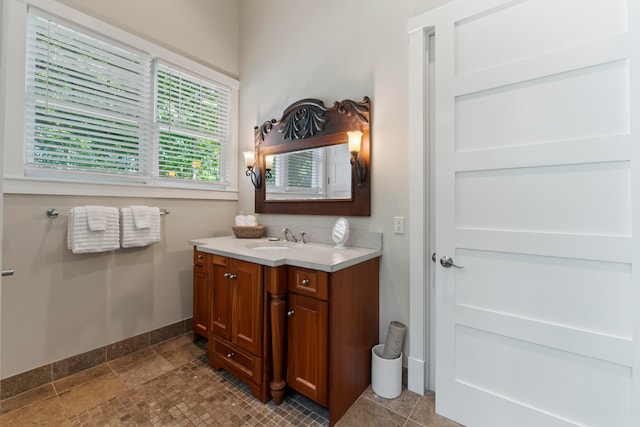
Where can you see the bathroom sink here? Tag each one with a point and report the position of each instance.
(271, 246)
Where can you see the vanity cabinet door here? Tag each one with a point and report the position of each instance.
(201, 294)
(247, 306)
(307, 345)
(221, 298)
(237, 302)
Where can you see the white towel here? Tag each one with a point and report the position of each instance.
(135, 237)
(97, 217)
(141, 216)
(251, 220)
(241, 220)
(81, 239)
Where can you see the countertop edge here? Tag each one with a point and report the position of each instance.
(285, 258)
(335, 267)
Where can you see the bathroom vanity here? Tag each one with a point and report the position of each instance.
(298, 315)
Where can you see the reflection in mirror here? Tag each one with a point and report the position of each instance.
(320, 173)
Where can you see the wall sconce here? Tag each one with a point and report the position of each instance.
(360, 168)
(268, 166)
(253, 171)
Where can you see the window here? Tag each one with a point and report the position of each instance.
(113, 111)
(192, 118)
(87, 109)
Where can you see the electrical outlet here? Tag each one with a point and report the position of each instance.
(398, 224)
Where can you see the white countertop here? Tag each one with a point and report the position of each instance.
(316, 256)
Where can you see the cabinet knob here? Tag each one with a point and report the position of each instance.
(290, 313)
(230, 355)
(232, 276)
(200, 256)
(305, 282)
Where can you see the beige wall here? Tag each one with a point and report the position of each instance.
(59, 304)
(203, 30)
(335, 50)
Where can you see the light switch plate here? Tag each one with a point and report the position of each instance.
(398, 224)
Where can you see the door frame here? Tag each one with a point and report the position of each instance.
(419, 361)
(3, 136)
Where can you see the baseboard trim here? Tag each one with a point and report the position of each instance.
(415, 377)
(33, 378)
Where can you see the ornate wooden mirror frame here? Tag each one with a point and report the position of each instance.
(308, 124)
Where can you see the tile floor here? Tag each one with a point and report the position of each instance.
(171, 384)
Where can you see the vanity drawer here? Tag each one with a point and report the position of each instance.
(220, 260)
(199, 257)
(313, 283)
(236, 361)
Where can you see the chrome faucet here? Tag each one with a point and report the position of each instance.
(289, 236)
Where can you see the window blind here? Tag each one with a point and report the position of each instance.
(302, 171)
(299, 172)
(193, 126)
(88, 103)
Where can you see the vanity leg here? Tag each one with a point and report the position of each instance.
(278, 306)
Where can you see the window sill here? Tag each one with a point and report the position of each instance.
(36, 186)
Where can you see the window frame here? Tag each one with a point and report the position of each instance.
(14, 39)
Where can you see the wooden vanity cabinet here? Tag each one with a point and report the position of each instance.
(332, 324)
(201, 294)
(307, 347)
(277, 326)
(238, 324)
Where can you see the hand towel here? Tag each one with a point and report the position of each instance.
(251, 220)
(136, 237)
(241, 220)
(81, 239)
(141, 216)
(97, 217)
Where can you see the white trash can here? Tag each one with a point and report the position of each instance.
(386, 374)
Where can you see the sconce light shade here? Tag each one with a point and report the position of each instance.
(252, 171)
(355, 142)
(268, 166)
(249, 158)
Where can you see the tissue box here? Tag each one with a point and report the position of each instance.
(249, 232)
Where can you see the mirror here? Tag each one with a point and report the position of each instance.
(307, 163)
(319, 173)
(340, 232)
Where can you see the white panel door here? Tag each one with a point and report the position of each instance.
(536, 130)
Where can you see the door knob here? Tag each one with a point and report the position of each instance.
(447, 262)
(8, 272)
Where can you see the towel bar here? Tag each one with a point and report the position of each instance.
(54, 213)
